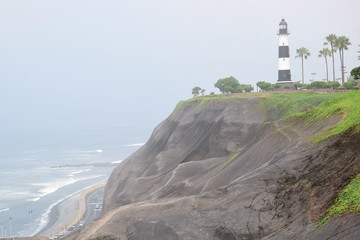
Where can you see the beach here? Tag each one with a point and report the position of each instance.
(68, 212)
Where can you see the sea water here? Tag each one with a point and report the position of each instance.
(41, 167)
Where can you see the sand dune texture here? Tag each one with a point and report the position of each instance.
(227, 169)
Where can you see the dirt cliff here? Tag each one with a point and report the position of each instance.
(230, 169)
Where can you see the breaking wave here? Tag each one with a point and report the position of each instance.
(135, 145)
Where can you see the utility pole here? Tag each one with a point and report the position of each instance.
(10, 223)
(30, 212)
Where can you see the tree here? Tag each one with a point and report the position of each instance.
(227, 85)
(302, 53)
(342, 44)
(355, 72)
(318, 85)
(196, 91)
(265, 86)
(350, 84)
(202, 92)
(324, 53)
(245, 87)
(333, 85)
(330, 39)
(301, 85)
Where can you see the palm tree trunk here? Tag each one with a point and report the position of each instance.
(302, 67)
(333, 61)
(342, 66)
(327, 70)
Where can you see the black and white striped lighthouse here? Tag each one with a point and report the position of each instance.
(284, 54)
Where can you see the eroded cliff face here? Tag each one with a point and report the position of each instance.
(219, 170)
(178, 155)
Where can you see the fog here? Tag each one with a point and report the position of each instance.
(75, 63)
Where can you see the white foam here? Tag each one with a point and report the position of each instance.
(48, 188)
(135, 145)
(78, 151)
(4, 210)
(97, 151)
(116, 162)
(78, 172)
(44, 219)
(33, 199)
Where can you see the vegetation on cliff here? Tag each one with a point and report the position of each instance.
(313, 108)
(287, 104)
(309, 106)
(299, 105)
(283, 104)
(348, 201)
(346, 105)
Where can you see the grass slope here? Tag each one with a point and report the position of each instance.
(281, 104)
(286, 104)
(346, 104)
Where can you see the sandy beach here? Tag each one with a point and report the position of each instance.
(68, 212)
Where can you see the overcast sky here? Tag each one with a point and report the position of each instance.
(114, 62)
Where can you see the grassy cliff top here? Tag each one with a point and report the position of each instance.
(309, 106)
(279, 105)
(345, 104)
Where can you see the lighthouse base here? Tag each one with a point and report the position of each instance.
(284, 86)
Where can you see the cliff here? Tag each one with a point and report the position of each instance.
(235, 168)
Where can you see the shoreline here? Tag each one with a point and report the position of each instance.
(68, 212)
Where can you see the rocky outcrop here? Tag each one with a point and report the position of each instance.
(220, 169)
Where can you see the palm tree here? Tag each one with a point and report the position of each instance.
(302, 53)
(330, 39)
(342, 44)
(324, 53)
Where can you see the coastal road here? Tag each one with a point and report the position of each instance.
(70, 211)
(94, 205)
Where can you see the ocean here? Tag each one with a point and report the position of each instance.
(41, 167)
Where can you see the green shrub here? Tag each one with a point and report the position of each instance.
(318, 85)
(350, 84)
(265, 86)
(348, 201)
(333, 85)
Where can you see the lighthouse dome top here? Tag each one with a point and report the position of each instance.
(283, 22)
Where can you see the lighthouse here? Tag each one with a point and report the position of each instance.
(284, 75)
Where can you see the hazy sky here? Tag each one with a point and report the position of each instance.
(106, 62)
